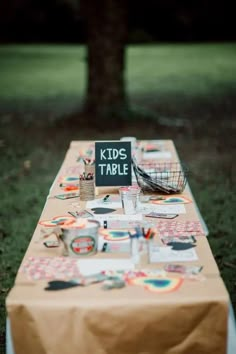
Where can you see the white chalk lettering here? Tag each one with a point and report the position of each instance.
(109, 153)
(109, 170)
(115, 153)
(114, 169)
(102, 154)
(123, 155)
(102, 165)
(125, 168)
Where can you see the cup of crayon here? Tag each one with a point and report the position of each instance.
(87, 187)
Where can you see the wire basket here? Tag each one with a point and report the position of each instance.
(165, 177)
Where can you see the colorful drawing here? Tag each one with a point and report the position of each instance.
(64, 180)
(158, 285)
(150, 147)
(172, 200)
(87, 151)
(69, 188)
(114, 234)
(58, 220)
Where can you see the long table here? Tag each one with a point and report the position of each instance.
(193, 319)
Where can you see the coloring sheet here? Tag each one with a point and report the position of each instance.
(146, 208)
(157, 155)
(94, 266)
(167, 254)
(112, 201)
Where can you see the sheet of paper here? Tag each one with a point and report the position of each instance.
(111, 202)
(118, 221)
(113, 246)
(157, 155)
(93, 266)
(166, 254)
(146, 208)
(120, 217)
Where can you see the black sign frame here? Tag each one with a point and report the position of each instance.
(113, 163)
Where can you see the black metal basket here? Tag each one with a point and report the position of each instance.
(165, 177)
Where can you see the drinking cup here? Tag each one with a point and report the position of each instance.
(129, 199)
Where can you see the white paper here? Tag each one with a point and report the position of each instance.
(167, 254)
(93, 266)
(157, 155)
(146, 208)
(124, 245)
(120, 217)
(99, 203)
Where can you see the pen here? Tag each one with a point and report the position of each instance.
(106, 197)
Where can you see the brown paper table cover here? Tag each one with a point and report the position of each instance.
(130, 320)
(84, 320)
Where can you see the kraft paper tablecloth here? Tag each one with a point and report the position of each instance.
(89, 320)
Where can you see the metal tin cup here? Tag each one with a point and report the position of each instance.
(80, 240)
(87, 190)
(129, 199)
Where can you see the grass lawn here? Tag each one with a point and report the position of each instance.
(185, 92)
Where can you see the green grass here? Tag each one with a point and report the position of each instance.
(53, 77)
(189, 91)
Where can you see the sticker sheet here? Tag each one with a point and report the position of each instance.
(179, 228)
(41, 268)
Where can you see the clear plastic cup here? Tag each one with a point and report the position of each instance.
(129, 199)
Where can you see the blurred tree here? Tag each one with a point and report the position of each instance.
(107, 28)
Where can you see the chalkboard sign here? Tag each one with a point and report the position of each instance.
(113, 163)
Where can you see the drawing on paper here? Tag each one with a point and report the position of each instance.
(57, 220)
(158, 285)
(114, 234)
(172, 200)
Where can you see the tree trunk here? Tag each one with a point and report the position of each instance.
(106, 30)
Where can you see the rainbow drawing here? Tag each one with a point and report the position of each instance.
(158, 285)
(69, 179)
(114, 234)
(57, 220)
(172, 200)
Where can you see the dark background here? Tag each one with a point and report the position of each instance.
(61, 21)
